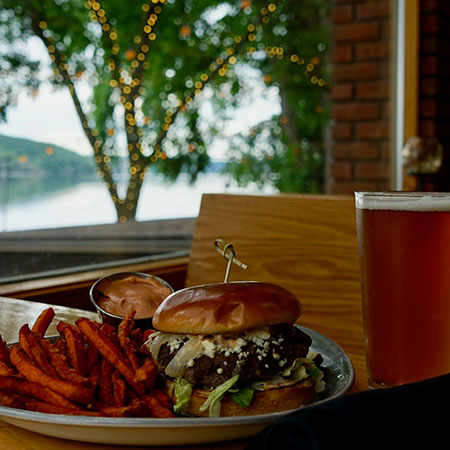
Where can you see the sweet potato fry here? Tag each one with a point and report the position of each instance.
(43, 321)
(31, 346)
(105, 391)
(135, 409)
(110, 351)
(91, 369)
(137, 336)
(59, 362)
(162, 397)
(16, 385)
(158, 410)
(12, 400)
(119, 389)
(110, 332)
(146, 373)
(40, 406)
(60, 344)
(123, 331)
(33, 373)
(95, 375)
(4, 352)
(6, 370)
(92, 356)
(147, 334)
(75, 346)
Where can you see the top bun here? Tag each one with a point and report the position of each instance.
(226, 308)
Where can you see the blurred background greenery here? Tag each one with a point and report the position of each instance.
(173, 85)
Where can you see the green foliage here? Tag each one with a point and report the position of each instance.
(287, 151)
(167, 77)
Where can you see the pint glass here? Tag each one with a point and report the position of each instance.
(404, 249)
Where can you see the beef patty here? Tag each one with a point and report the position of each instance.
(258, 355)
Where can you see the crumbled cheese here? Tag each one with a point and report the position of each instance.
(175, 343)
(235, 345)
(258, 336)
(209, 347)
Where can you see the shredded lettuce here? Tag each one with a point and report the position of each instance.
(216, 395)
(297, 371)
(317, 375)
(183, 392)
(243, 397)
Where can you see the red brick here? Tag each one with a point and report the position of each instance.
(342, 91)
(342, 13)
(388, 111)
(429, 86)
(372, 170)
(428, 108)
(372, 130)
(372, 90)
(356, 111)
(356, 31)
(342, 53)
(374, 10)
(430, 24)
(430, 5)
(356, 71)
(356, 150)
(438, 6)
(429, 66)
(427, 128)
(361, 96)
(366, 51)
(385, 150)
(342, 131)
(341, 170)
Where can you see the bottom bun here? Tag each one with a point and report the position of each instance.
(264, 402)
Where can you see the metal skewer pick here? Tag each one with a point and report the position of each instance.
(227, 250)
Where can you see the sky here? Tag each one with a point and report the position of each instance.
(49, 117)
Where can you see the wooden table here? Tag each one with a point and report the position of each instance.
(14, 313)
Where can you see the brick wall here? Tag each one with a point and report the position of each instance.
(359, 147)
(434, 76)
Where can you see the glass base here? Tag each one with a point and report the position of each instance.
(375, 385)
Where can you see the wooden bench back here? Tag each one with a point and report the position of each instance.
(305, 243)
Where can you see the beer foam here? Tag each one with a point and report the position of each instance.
(403, 201)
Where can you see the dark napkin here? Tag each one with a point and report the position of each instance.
(410, 416)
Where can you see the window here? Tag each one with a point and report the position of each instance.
(117, 117)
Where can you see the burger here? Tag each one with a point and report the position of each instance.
(232, 349)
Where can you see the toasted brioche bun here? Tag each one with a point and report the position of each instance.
(264, 402)
(226, 308)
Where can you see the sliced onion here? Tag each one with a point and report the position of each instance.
(157, 340)
(185, 354)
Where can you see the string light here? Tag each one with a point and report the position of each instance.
(126, 78)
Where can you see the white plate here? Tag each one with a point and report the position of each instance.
(180, 431)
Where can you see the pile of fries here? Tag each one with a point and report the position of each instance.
(89, 369)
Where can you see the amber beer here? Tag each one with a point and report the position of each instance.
(404, 244)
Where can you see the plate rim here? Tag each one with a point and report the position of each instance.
(186, 422)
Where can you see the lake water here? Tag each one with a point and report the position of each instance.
(89, 203)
